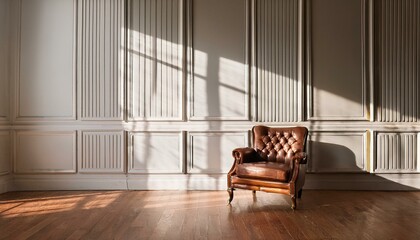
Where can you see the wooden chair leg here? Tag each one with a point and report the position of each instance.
(230, 191)
(254, 195)
(300, 194)
(293, 197)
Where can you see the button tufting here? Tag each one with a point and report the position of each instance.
(266, 139)
(283, 141)
(291, 140)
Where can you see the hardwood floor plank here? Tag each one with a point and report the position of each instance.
(205, 215)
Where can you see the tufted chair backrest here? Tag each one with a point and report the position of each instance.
(279, 144)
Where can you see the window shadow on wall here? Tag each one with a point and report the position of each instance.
(214, 68)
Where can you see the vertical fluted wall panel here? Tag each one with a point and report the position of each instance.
(396, 152)
(101, 60)
(155, 59)
(277, 60)
(398, 60)
(102, 152)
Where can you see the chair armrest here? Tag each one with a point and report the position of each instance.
(242, 155)
(300, 157)
(297, 159)
(245, 155)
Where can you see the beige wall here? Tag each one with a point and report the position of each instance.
(5, 137)
(159, 101)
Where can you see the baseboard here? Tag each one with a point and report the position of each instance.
(69, 182)
(178, 182)
(5, 184)
(120, 182)
(398, 182)
(382, 182)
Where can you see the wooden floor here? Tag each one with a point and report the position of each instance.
(205, 215)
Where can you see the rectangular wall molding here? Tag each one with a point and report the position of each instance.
(45, 152)
(396, 152)
(211, 152)
(5, 150)
(337, 60)
(155, 53)
(277, 60)
(5, 46)
(337, 152)
(155, 152)
(397, 60)
(46, 65)
(155, 94)
(218, 71)
(102, 152)
(101, 54)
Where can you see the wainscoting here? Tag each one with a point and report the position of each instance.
(154, 94)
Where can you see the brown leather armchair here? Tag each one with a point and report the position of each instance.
(277, 163)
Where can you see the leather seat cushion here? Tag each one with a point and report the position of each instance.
(264, 170)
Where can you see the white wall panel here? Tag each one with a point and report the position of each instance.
(337, 60)
(219, 83)
(5, 149)
(102, 151)
(155, 152)
(337, 152)
(4, 59)
(45, 88)
(45, 152)
(101, 58)
(155, 59)
(277, 60)
(211, 152)
(396, 152)
(397, 60)
(172, 67)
